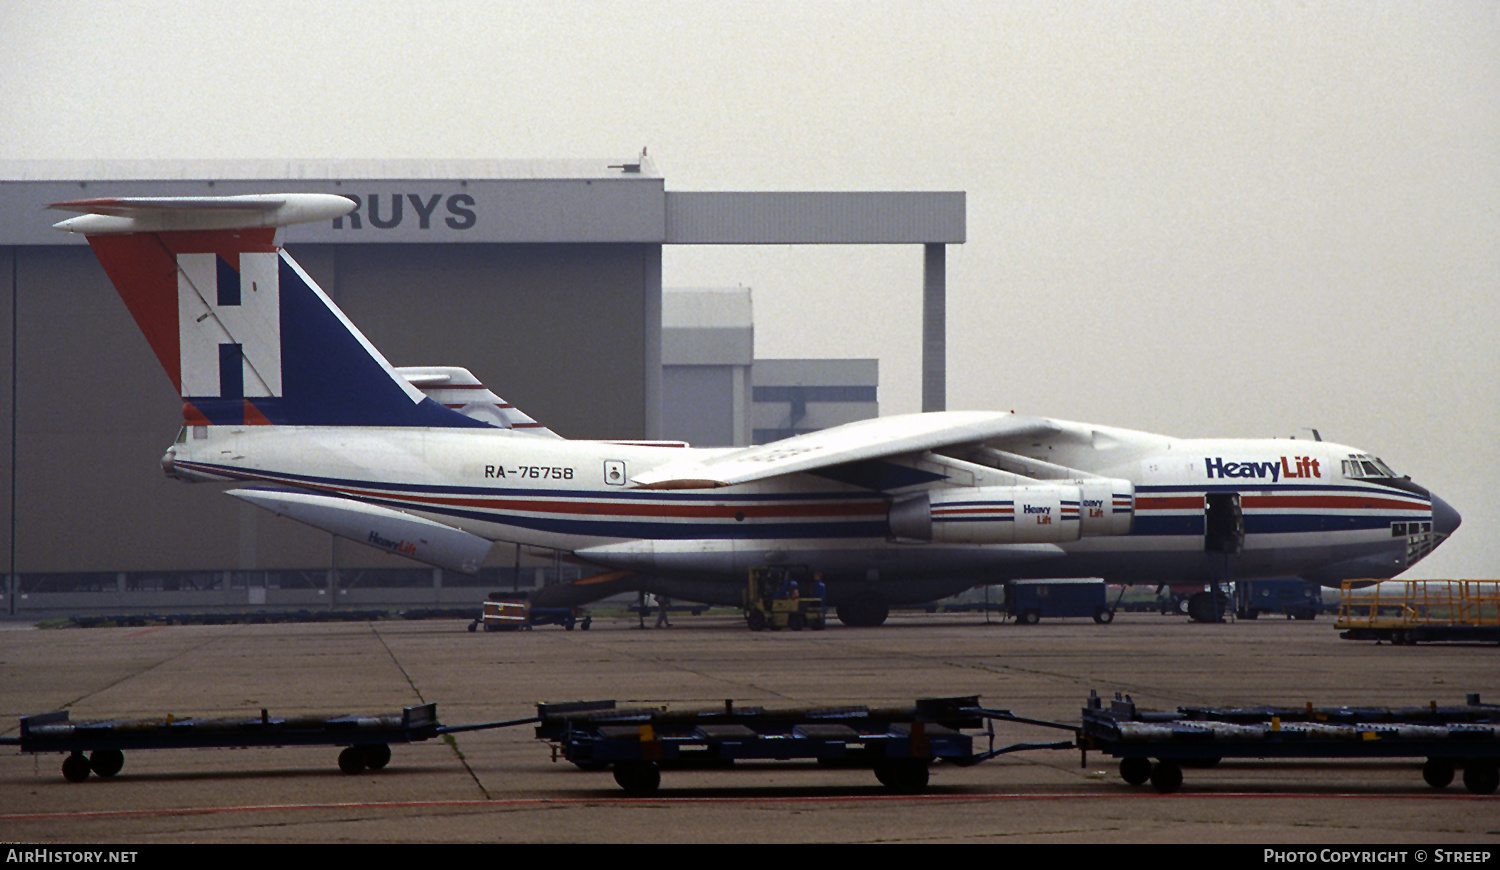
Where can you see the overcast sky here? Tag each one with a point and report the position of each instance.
(1202, 219)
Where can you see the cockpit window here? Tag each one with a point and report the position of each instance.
(1362, 466)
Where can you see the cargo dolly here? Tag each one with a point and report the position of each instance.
(1447, 737)
(898, 744)
(99, 746)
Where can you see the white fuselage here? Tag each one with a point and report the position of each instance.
(1298, 513)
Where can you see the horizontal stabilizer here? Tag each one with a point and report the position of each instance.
(381, 528)
(457, 389)
(139, 214)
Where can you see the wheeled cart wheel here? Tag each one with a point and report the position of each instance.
(1438, 772)
(1166, 777)
(352, 759)
(1135, 770)
(902, 775)
(638, 777)
(377, 755)
(75, 768)
(106, 762)
(1481, 776)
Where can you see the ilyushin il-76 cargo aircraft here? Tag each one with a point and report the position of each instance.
(284, 396)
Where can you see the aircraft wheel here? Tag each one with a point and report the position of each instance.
(1135, 770)
(1166, 777)
(1204, 607)
(756, 620)
(352, 760)
(75, 768)
(1481, 776)
(377, 755)
(638, 777)
(106, 762)
(1104, 616)
(1438, 772)
(1029, 617)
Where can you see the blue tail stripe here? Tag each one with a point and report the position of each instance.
(229, 283)
(329, 376)
(231, 372)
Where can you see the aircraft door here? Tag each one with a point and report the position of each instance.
(1223, 523)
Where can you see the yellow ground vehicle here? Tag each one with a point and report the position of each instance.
(1406, 612)
(781, 597)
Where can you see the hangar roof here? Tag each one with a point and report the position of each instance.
(322, 170)
(622, 200)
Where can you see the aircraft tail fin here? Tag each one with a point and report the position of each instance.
(244, 333)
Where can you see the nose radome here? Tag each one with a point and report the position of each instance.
(1445, 520)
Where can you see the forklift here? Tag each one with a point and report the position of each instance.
(780, 597)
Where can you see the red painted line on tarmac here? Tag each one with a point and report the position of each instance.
(636, 801)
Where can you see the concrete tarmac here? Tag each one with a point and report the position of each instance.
(503, 786)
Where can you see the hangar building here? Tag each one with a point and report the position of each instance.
(542, 277)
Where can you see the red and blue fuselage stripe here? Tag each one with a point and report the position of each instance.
(1177, 510)
(606, 514)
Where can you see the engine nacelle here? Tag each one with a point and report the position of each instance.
(1042, 513)
(1106, 506)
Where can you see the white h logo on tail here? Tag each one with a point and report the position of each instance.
(224, 318)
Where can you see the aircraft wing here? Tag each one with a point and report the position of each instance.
(852, 442)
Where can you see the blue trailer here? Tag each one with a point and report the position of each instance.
(99, 746)
(898, 744)
(1155, 746)
(1291, 597)
(1029, 601)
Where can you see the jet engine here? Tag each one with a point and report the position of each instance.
(1042, 513)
